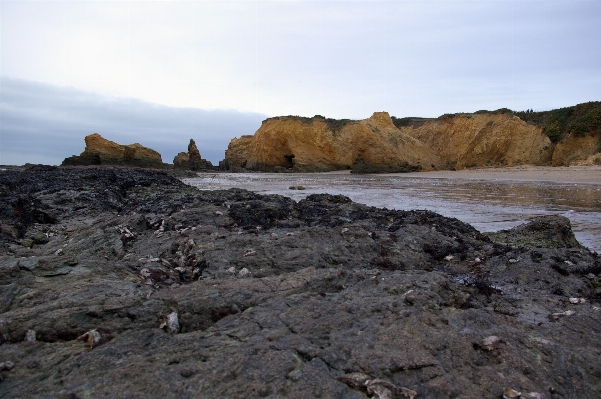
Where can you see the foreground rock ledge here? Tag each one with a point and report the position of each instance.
(260, 296)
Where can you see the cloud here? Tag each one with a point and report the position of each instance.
(343, 59)
(41, 123)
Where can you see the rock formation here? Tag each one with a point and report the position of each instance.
(483, 140)
(100, 151)
(191, 159)
(140, 286)
(383, 144)
(316, 144)
(236, 154)
(576, 150)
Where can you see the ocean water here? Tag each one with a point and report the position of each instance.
(488, 205)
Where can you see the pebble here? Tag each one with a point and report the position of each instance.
(449, 257)
(30, 336)
(490, 343)
(27, 242)
(171, 323)
(577, 301)
(249, 252)
(509, 393)
(556, 316)
(93, 337)
(244, 272)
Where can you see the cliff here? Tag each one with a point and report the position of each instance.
(191, 160)
(316, 144)
(383, 144)
(236, 154)
(482, 140)
(100, 151)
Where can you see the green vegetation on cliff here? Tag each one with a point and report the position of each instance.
(580, 120)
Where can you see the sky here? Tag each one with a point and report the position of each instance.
(162, 72)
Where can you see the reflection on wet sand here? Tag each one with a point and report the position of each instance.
(488, 205)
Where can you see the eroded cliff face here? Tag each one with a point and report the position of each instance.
(236, 154)
(580, 150)
(376, 144)
(304, 144)
(488, 140)
(100, 151)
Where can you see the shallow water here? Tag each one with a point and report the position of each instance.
(488, 205)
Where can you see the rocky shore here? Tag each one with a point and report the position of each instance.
(128, 283)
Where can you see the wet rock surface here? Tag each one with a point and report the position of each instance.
(145, 287)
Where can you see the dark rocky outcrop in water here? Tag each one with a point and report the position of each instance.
(123, 282)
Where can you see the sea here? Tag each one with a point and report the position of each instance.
(487, 204)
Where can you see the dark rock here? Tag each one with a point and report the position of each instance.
(341, 299)
(40, 238)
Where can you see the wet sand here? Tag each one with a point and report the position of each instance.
(488, 199)
(559, 174)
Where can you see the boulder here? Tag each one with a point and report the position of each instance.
(100, 151)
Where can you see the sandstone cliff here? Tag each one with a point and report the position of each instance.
(191, 159)
(316, 144)
(100, 151)
(481, 140)
(380, 143)
(236, 154)
(576, 150)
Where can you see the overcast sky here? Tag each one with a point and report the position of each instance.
(122, 69)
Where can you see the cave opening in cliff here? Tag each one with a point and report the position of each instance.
(289, 159)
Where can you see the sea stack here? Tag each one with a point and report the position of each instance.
(191, 159)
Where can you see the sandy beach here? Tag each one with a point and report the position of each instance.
(561, 174)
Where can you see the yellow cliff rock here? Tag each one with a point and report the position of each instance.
(483, 140)
(100, 151)
(384, 144)
(313, 144)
